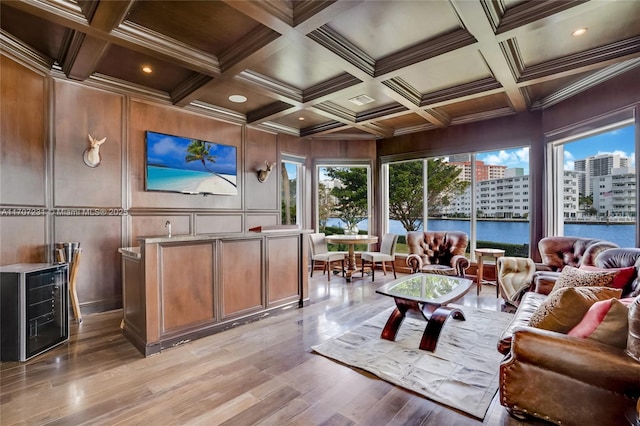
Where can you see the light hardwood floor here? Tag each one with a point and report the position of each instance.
(261, 373)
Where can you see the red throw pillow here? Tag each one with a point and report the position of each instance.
(622, 278)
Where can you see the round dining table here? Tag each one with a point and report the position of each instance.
(351, 241)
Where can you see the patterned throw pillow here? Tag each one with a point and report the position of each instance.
(574, 277)
(564, 308)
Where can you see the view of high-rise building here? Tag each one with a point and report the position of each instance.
(606, 177)
(597, 165)
(483, 171)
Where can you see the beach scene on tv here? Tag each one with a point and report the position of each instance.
(179, 164)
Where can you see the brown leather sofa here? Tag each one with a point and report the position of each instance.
(558, 252)
(438, 252)
(569, 380)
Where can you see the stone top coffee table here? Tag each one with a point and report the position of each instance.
(428, 294)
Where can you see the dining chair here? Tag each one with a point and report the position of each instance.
(320, 253)
(386, 254)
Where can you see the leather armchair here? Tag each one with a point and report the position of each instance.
(438, 252)
(558, 252)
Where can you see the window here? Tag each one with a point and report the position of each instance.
(405, 199)
(291, 193)
(472, 193)
(343, 198)
(598, 191)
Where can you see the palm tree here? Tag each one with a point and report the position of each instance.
(199, 151)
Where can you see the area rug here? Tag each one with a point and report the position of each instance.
(462, 372)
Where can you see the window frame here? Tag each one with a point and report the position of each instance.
(384, 177)
(299, 162)
(555, 142)
(324, 163)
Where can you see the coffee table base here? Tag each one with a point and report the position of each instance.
(435, 321)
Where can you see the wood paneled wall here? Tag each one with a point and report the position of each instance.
(22, 134)
(44, 125)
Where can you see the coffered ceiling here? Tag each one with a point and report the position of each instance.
(300, 64)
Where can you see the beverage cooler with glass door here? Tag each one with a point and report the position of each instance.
(34, 312)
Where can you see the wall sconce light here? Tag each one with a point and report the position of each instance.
(263, 174)
(91, 155)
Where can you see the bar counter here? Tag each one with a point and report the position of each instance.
(180, 288)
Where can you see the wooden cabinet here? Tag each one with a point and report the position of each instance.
(181, 288)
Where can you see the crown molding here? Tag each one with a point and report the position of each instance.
(213, 111)
(481, 116)
(586, 83)
(404, 89)
(189, 86)
(246, 46)
(587, 58)
(320, 128)
(270, 84)
(67, 10)
(382, 111)
(15, 49)
(531, 11)
(422, 51)
(123, 87)
(414, 129)
(275, 128)
(342, 47)
(337, 111)
(484, 85)
(328, 87)
(268, 111)
(165, 46)
(494, 11)
(512, 54)
(441, 116)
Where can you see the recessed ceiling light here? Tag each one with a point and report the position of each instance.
(238, 99)
(579, 32)
(301, 118)
(361, 100)
(147, 69)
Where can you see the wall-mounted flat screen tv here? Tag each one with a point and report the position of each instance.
(190, 166)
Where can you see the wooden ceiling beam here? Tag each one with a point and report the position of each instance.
(127, 35)
(84, 52)
(483, 30)
(83, 56)
(110, 13)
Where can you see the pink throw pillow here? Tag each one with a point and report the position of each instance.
(622, 278)
(591, 319)
(605, 321)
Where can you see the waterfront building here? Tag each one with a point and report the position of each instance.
(571, 194)
(597, 165)
(483, 171)
(508, 197)
(614, 195)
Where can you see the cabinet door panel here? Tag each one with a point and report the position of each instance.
(186, 284)
(241, 280)
(283, 268)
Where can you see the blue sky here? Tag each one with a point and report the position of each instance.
(619, 141)
(170, 151)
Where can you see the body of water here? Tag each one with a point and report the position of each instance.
(517, 232)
